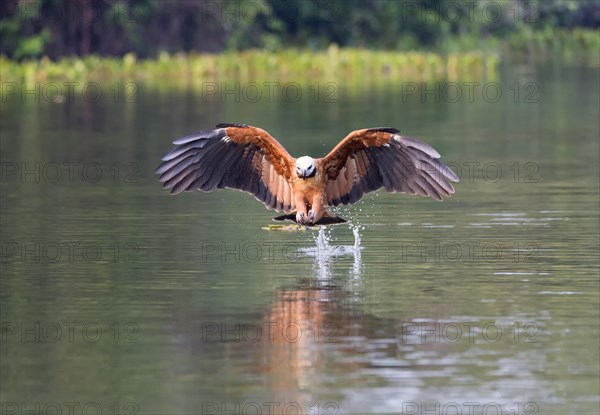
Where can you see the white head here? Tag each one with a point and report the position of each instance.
(306, 167)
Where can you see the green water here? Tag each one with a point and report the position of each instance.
(116, 296)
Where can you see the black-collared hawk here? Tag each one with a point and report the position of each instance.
(250, 159)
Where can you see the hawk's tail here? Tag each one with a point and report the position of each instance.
(326, 219)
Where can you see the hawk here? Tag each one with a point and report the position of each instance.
(247, 158)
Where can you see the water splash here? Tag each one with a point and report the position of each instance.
(324, 249)
(324, 252)
(357, 266)
(356, 233)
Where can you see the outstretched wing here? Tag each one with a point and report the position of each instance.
(235, 156)
(369, 159)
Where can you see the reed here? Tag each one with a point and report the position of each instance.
(341, 65)
(301, 66)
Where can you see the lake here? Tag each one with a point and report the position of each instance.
(117, 297)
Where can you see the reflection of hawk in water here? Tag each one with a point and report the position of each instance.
(249, 159)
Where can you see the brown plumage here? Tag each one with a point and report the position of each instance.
(249, 159)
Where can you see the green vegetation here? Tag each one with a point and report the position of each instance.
(189, 70)
(304, 66)
(582, 45)
(57, 28)
(185, 44)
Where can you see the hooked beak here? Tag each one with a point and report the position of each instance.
(304, 173)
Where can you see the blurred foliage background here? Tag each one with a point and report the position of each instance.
(146, 28)
(188, 42)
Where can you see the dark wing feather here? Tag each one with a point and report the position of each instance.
(236, 156)
(382, 157)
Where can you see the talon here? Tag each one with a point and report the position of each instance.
(300, 218)
(312, 216)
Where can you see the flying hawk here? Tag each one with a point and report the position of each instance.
(250, 159)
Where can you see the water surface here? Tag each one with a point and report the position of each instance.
(489, 298)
